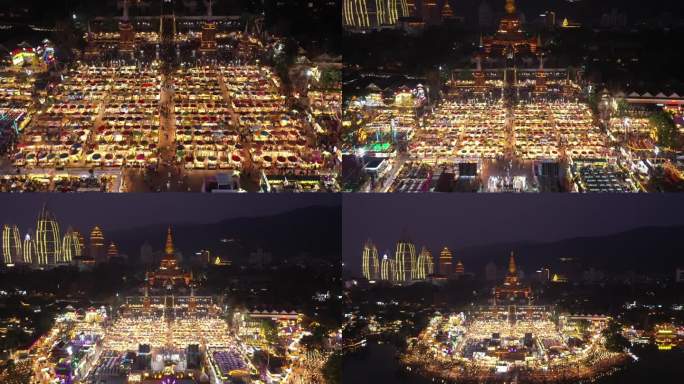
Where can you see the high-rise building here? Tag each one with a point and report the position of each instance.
(385, 269)
(29, 250)
(429, 262)
(368, 14)
(445, 260)
(370, 263)
(81, 242)
(422, 264)
(393, 270)
(460, 269)
(48, 240)
(112, 251)
(97, 245)
(405, 259)
(71, 247)
(11, 245)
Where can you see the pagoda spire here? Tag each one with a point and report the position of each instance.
(510, 7)
(511, 265)
(168, 248)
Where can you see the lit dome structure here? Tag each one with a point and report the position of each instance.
(48, 239)
(29, 249)
(71, 246)
(369, 262)
(11, 244)
(405, 259)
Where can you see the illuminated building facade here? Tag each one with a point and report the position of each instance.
(428, 261)
(370, 263)
(112, 251)
(422, 264)
(97, 244)
(11, 245)
(169, 274)
(445, 259)
(48, 240)
(512, 289)
(81, 241)
(71, 246)
(460, 269)
(367, 14)
(509, 38)
(386, 272)
(665, 336)
(29, 250)
(405, 259)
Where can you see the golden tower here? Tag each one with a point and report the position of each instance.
(510, 7)
(168, 248)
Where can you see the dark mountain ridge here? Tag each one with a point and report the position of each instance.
(642, 250)
(312, 232)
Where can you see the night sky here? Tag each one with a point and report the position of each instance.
(121, 211)
(461, 220)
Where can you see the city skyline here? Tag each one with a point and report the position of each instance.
(471, 221)
(341, 191)
(83, 212)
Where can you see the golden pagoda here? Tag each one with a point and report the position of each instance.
(460, 269)
(509, 38)
(169, 274)
(97, 245)
(447, 12)
(445, 258)
(168, 247)
(112, 251)
(511, 288)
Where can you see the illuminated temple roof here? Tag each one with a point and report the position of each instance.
(169, 274)
(511, 288)
(509, 38)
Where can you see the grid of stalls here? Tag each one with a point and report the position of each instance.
(462, 130)
(16, 99)
(60, 134)
(205, 133)
(279, 143)
(549, 130)
(128, 131)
